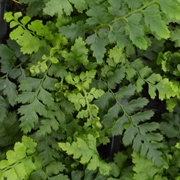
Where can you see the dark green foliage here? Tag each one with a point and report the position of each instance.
(74, 74)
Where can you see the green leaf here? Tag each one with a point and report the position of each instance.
(135, 104)
(155, 154)
(129, 135)
(125, 92)
(165, 90)
(77, 175)
(26, 97)
(111, 115)
(29, 144)
(130, 73)
(154, 21)
(29, 166)
(40, 29)
(26, 40)
(46, 97)
(36, 175)
(120, 159)
(116, 77)
(9, 89)
(137, 64)
(153, 78)
(78, 53)
(4, 164)
(117, 54)
(25, 20)
(135, 31)
(144, 128)
(10, 174)
(133, 4)
(55, 6)
(73, 31)
(6, 55)
(49, 83)
(87, 152)
(35, 106)
(47, 126)
(3, 109)
(15, 73)
(137, 143)
(34, 7)
(141, 116)
(78, 149)
(168, 130)
(57, 70)
(29, 84)
(96, 93)
(46, 149)
(144, 169)
(10, 131)
(1, 176)
(80, 5)
(97, 46)
(17, 15)
(175, 36)
(139, 83)
(54, 168)
(11, 156)
(20, 170)
(60, 177)
(97, 15)
(170, 104)
(8, 16)
(119, 125)
(145, 72)
(20, 150)
(170, 8)
(115, 7)
(67, 106)
(20, 165)
(103, 101)
(29, 114)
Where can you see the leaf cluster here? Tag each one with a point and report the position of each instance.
(76, 75)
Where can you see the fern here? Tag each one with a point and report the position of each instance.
(19, 162)
(137, 36)
(30, 111)
(87, 152)
(145, 169)
(77, 73)
(138, 135)
(169, 127)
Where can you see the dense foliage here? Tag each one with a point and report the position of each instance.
(66, 70)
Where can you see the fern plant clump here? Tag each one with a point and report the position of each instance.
(90, 90)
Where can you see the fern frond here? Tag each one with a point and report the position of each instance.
(48, 149)
(170, 125)
(9, 89)
(145, 169)
(19, 163)
(87, 152)
(35, 102)
(115, 78)
(136, 133)
(54, 168)
(155, 81)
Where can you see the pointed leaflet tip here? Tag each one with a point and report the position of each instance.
(97, 46)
